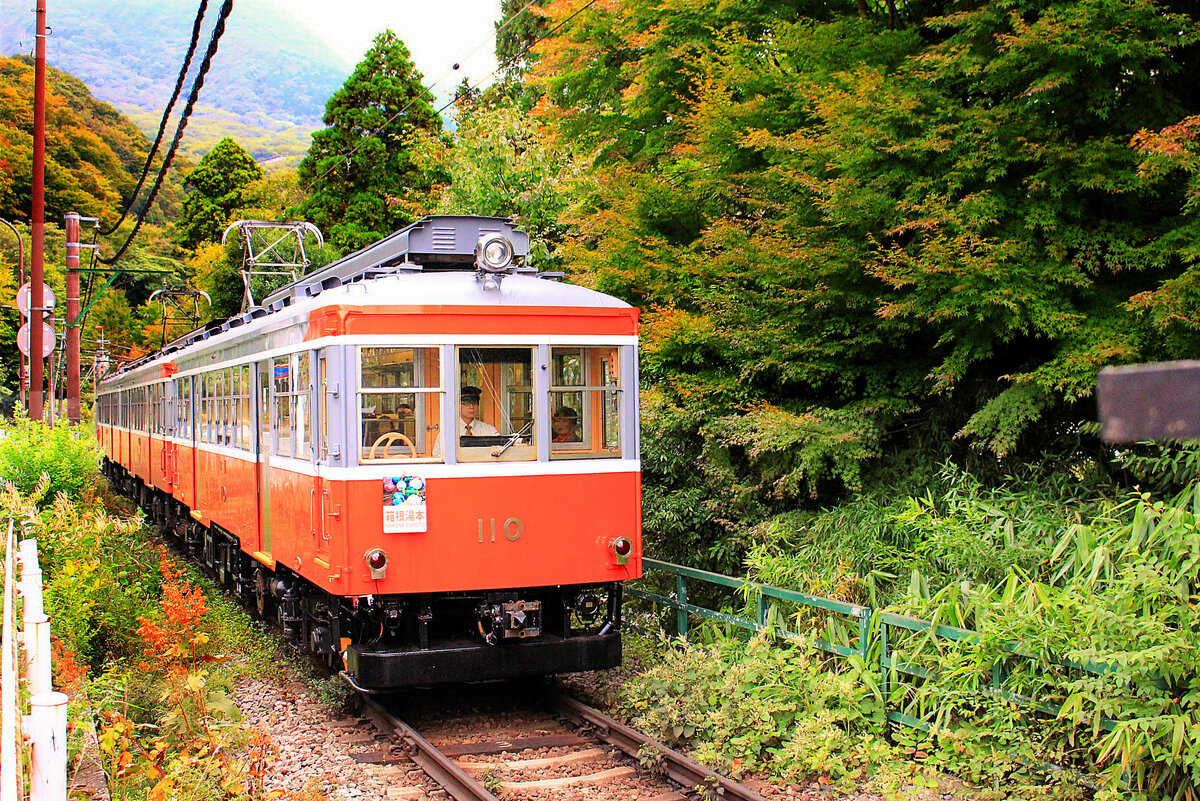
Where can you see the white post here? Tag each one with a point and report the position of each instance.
(37, 625)
(31, 579)
(48, 733)
(9, 790)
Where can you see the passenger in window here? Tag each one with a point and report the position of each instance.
(407, 421)
(564, 423)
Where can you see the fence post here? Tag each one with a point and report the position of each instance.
(36, 624)
(762, 610)
(48, 733)
(999, 673)
(681, 621)
(8, 670)
(864, 634)
(885, 675)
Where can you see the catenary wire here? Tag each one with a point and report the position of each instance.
(218, 31)
(162, 126)
(526, 49)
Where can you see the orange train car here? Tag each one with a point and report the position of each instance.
(421, 460)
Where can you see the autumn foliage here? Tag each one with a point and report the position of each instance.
(868, 228)
(197, 746)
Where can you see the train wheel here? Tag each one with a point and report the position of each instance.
(262, 593)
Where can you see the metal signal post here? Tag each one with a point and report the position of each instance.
(72, 332)
(37, 217)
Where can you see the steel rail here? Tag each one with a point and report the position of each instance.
(687, 772)
(436, 765)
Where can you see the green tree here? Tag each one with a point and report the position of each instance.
(363, 174)
(221, 185)
(518, 28)
(502, 165)
(855, 229)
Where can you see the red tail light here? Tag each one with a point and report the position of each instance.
(622, 547)
(377, 562)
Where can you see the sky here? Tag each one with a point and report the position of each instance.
(439, 34)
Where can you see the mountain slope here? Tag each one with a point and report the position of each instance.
(267, 86)
(93, 153)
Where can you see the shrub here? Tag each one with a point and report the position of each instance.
(1106, 642)
(66, 453)
(761, 705)
(99, 577)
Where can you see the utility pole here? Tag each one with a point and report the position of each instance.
(37, 218)
(72, 332)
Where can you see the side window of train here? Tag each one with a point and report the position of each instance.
(281, 392)
(245, 414)
(183, 390)
(204, 392)
(301, 413)
(399, 403)
(496, 407)
(291, 385)
(585, 403)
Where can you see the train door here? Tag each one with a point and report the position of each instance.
(329, 510)
(263, 447)
(169, 429)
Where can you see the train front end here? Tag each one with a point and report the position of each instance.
(481, 507)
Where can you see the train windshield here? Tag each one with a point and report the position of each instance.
(496, 405)
(400, 403)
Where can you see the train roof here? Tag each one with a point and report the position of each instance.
(387, 274)
(437, 242)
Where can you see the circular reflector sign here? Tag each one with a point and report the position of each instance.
(48, 339)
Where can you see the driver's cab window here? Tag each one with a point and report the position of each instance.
(495, 405)
(399, 403)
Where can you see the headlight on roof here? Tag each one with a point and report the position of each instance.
(493, 253)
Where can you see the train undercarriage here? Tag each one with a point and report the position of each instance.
(388, 642)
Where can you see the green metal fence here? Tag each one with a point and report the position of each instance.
(879, 633)
(763, 593)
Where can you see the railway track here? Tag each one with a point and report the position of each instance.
(548, 753)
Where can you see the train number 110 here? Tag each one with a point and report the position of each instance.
(511, 529)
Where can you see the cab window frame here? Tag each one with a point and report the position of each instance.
(596, 385)
(492, 370)
(424, 395)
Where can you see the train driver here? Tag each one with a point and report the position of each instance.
(469, 424)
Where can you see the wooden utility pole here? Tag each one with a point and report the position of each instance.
(72, 332)
(37, 217)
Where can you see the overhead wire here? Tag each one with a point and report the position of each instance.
(162, 126)
(526, 49)
(218, 32)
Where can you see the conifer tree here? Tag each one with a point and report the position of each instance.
(220, 184)
(363, 172)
